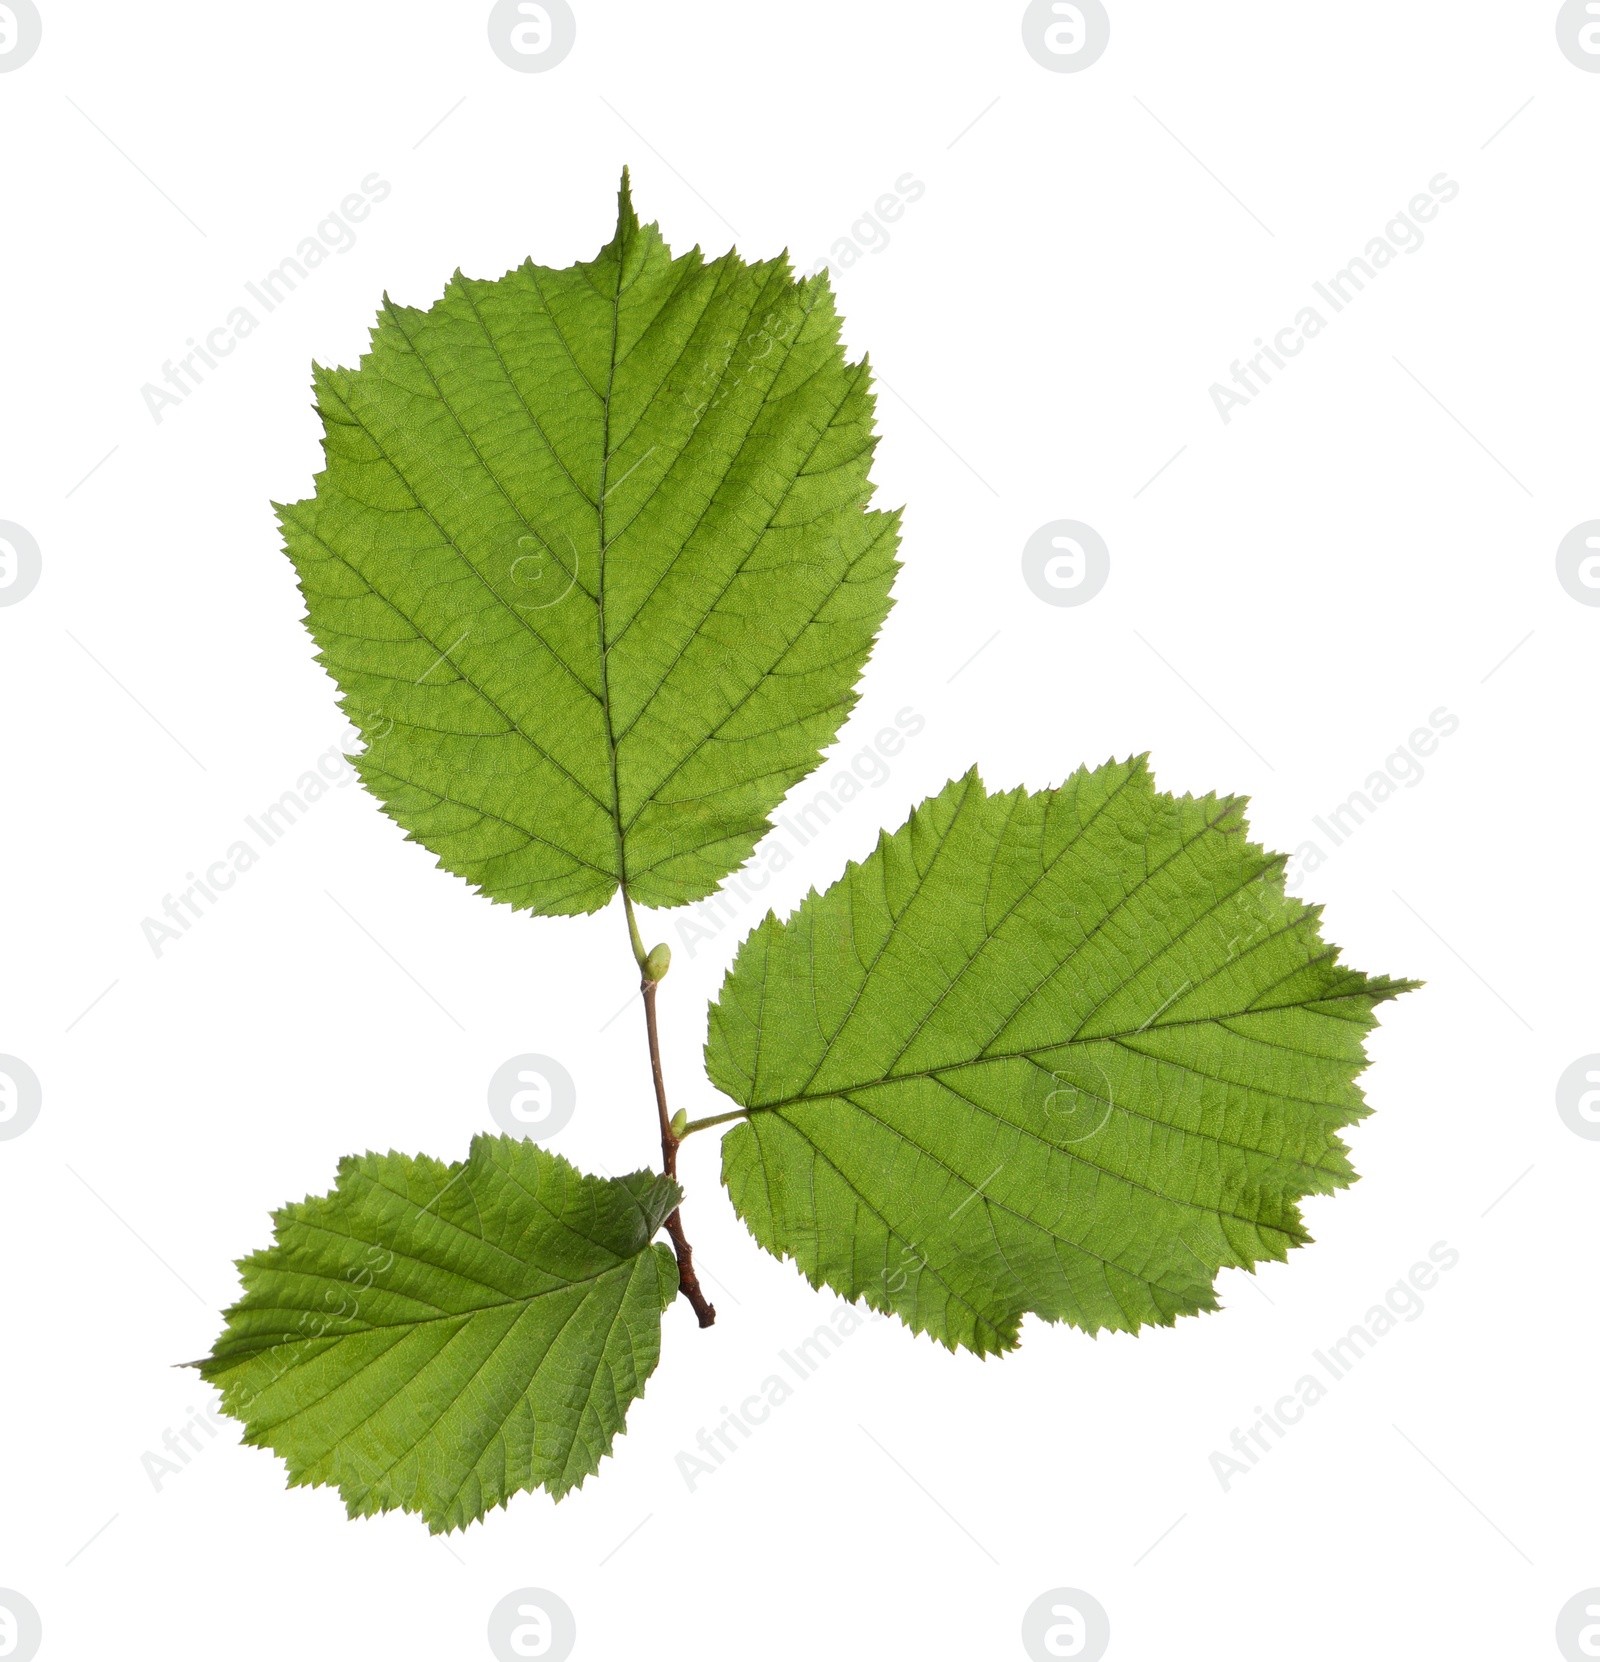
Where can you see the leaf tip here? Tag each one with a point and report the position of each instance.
(627, 219)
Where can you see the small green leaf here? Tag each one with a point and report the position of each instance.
(436, 1338)
(591, 564)
(1071, 1052)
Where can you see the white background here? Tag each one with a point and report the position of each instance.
(1292, 596)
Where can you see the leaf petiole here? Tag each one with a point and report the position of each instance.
(714, 1119)
(633, 931)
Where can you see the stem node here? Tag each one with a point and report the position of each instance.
(704, 1310)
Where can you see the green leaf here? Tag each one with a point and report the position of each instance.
(436, 1338)
(591, 565)
(1071, 1052)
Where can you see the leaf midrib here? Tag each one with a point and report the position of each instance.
(807, 1096)
(623, 1266)
(600, 572)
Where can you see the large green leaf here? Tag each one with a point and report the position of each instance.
(591, 564)
(1070, 1052)
(436, 1338)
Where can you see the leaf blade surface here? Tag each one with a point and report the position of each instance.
(1071, 1052)
(437, 1338)
(592, 565)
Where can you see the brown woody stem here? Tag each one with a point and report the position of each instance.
(687, 1280)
